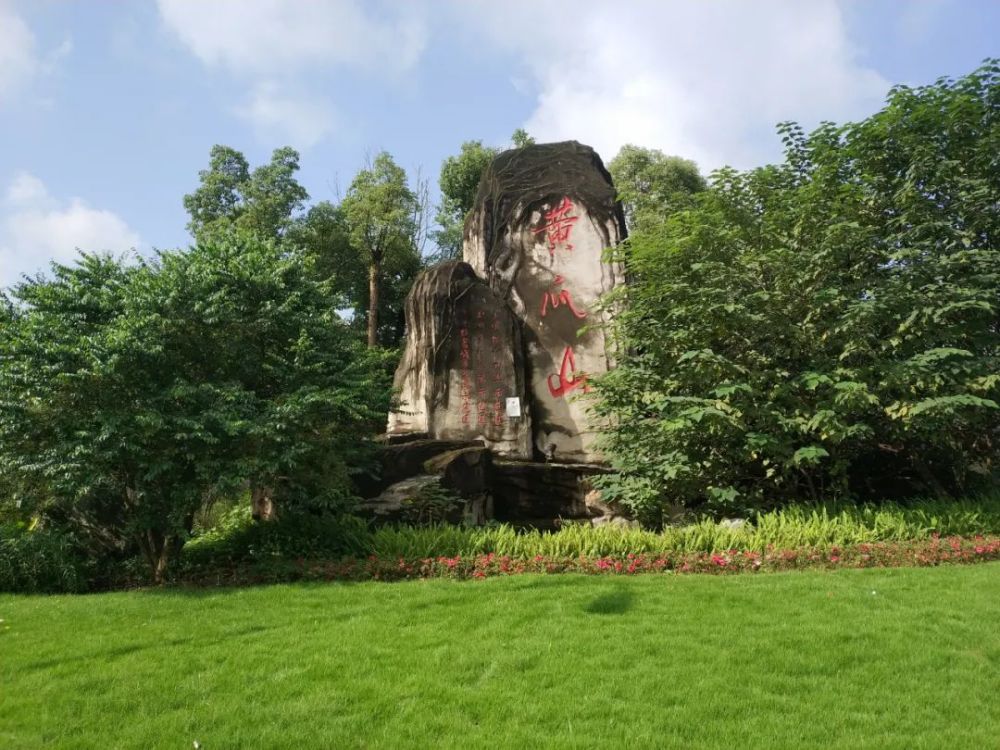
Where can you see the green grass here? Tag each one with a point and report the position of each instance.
(901, 658)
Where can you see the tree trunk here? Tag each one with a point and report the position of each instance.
(155, 547)
(373, 300)
(262, 503)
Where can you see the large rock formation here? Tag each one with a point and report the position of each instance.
(500, 348)
(543, 217)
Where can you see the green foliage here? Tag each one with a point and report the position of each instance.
(796, 527)
(458, 183)
(380, 223)
(131, 396)
(432, 504)
(324, 237)
(42, 561)
(825, 327)
(652, 185)
(521, 138)
(238, 539)
(232, 197)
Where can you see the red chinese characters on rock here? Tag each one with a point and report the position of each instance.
(567, 380)
(465, 356)
(498, 379)
(558, 226)
(553, 300)
(484, 373)
(482, 402)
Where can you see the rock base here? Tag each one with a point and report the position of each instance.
(530, 494)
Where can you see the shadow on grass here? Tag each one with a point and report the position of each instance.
(129, 649)
(187, 590)
(618, 601)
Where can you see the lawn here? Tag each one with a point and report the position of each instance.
(901, 658)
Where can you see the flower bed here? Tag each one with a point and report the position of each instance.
(921, 553)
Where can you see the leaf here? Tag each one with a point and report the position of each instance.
(809, 455)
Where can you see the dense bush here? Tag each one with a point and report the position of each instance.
(239, 539)
(42, 561)
(826, 327)
(132, 395)
(240, 550)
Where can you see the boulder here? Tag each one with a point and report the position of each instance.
(734, 523)
(463, 359)
(425, 499)
(543, 217)
(532, 493)
(605, 513)
(461, 472)
(392, 505)
(466, 471)
(402, 460)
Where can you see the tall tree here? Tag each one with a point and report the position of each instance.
(386, 218)
(652, 185)
(324, 236)
(231, 196)
(458, 183)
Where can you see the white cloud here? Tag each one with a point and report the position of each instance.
(26, 190)
(275, 112)
(705, 80)
(19, 60)
(36, 228)
(271, 36)
(268, 42)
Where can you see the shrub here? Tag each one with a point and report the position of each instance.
(825, 327)
(432, 504)
(239, 539)
(42, 561)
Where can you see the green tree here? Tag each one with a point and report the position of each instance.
(231, 196)
(458, 183)
(324, 236)
(824, 327)
(385, 217)
(651, 185)
(130, 396)
(520, 138)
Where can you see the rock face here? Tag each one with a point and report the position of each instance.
(402, 460)
(523, 493)
(542, 219)
(543, 495)
(462, 472)
(464, 357)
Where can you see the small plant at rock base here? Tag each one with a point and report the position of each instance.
(431, 504)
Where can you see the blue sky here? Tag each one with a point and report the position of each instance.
(109, 109)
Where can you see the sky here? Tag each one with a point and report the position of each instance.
(108, 110)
